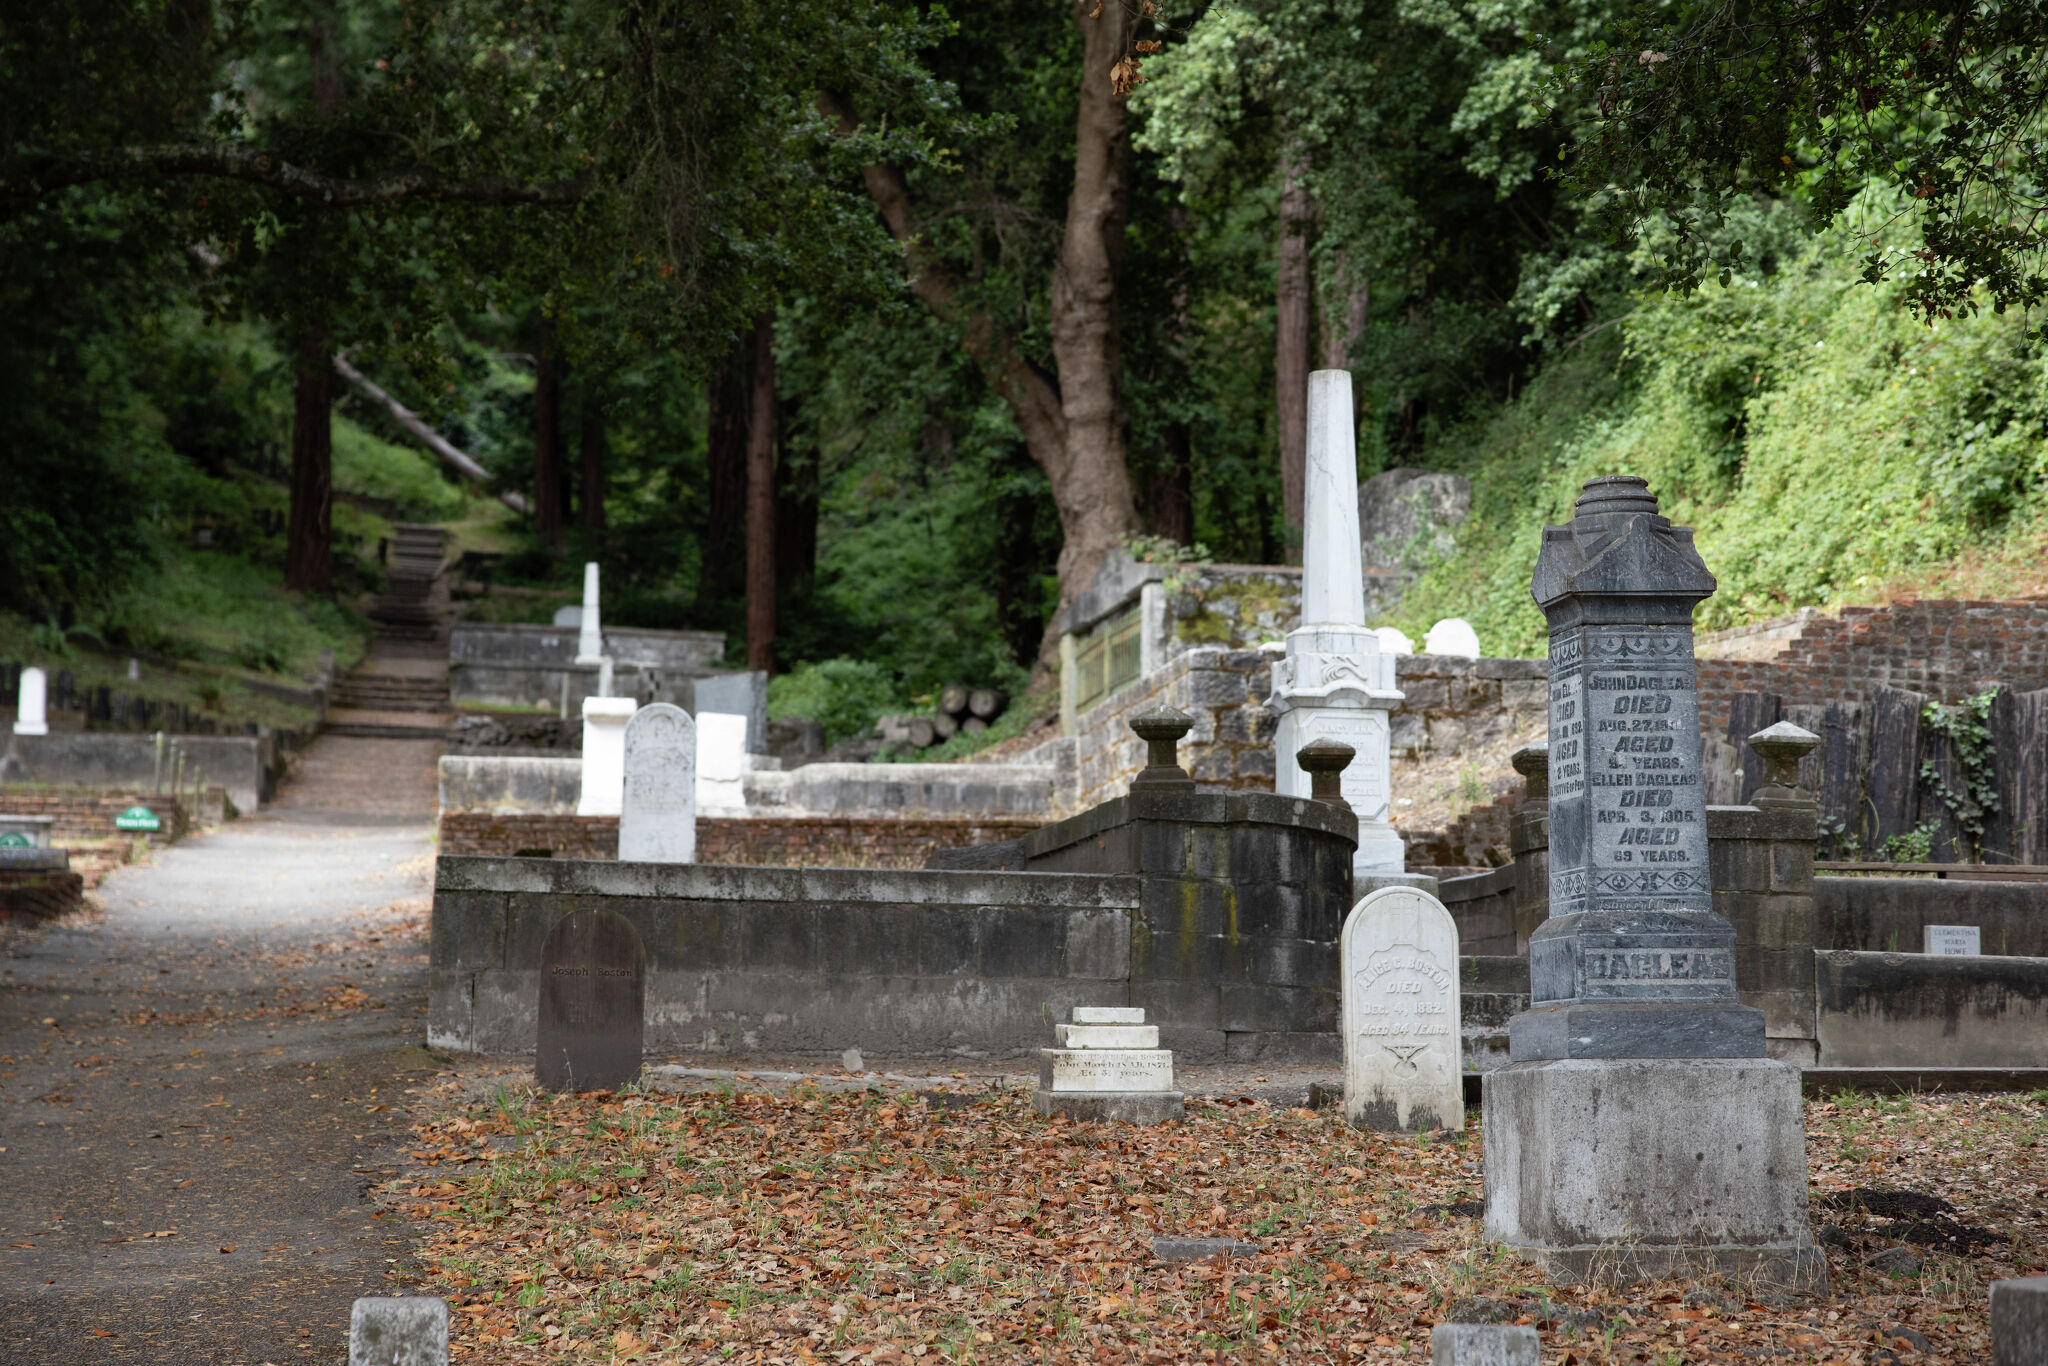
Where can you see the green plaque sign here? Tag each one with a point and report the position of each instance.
(14, 839)
(137, 818)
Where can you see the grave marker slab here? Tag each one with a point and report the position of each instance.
(593, 987)
(400, 1330)
(1484, 1344)
(2019, 1321)
(1960, 940)
(721, 760)
(658, 802)
(604, 754)
(1108, 1068)
(31, 713)
(1402, 1060)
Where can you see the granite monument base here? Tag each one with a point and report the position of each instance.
(1620, 1170)
(1132, 1107)
(1629, 1029)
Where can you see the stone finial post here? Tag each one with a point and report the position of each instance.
(1781, 747)
(1533, 763)
(1324, 762)
(1161, 728)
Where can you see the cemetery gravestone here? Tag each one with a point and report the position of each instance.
(401, 1330)
(1960, 940)
(658, 803)
(1108, 1065)
(721, 760)
(1484, 1344)
(1401, 1025)
(31, 715)
(2019, 1321)
(1638, 1129)
(1452, 636)
(604, 754)
(593, 987)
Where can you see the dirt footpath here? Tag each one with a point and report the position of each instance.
(198, 1083)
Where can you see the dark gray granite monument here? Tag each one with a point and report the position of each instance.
(1638, 1130)
(593, 989)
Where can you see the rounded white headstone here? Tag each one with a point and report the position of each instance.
(1403, 1055)
(572, 615)
(31, 716)
(1394, 641)
(658, 805)
(1452, 636)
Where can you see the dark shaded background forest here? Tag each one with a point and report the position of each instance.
(895, 320)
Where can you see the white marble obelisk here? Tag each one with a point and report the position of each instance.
(589, 638)
(1334, 684)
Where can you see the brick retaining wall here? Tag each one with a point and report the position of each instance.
(771, 842)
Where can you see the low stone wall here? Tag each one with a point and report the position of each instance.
(86, 816)
(508, 785)
(769, 841)
(248, 766)
(782, 961)
(1483, 905)
(1901, 1010)
(1887, 914)
(1230, 747)
(1451, 702)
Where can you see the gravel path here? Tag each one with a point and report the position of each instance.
(198, 1082)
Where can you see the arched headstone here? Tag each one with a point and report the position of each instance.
(1402, 1054)
(1394, 641)
(658, 809)
(1452, 636)
(593, 988)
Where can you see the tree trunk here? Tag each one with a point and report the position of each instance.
(722, 551)
(761, 502)
(590, 497)
(796, 512)
(1075, 431)
(1294, 334)
(1173, 489)
(547, 439)
(309, 553)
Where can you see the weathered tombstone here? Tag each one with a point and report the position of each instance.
(1108, 1065)
(1638, 1129)
(1402, 1059)
(1334, 682)
(1484, 1344)
(721, 760)
(1959, 940)
(593, 987)
(572, 615)
(589, 638)
(2019, 1321)
(1394, 641)
(1452, 636)
(403, 1330)
(658, 808)
(31, 715)
(604, 754)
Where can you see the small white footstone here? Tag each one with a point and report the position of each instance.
(406, 1330)
(1105, 1069)
(1108, 1015)
(1106, 1036)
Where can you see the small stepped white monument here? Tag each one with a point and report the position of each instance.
(1402, 1059)
(1108, 1065)
(1335, 683)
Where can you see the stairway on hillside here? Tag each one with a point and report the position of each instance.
(400, 692)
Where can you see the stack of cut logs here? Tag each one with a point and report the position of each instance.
(960, 708)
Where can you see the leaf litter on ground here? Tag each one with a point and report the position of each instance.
(775, 1223)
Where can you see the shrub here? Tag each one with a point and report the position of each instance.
(842, 695)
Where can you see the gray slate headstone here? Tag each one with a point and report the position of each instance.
(1484, 1344)
(408, 1330)
(1633, 961)
(2019, 1321)
(593, 987)
(1201, 1249)
(658, 805)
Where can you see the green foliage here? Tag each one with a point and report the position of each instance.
(1702, 109)
(1915, 846)
(1965, 725)
(1819, 440)
(845, 696)
(412, 479)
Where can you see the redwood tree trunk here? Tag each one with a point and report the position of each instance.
(590, 497)
(1090, 478)
(547, 439)
(1342, 328)
(309, 553)
(722, 549)
(1294, 333)
(1173, 490)
(761, 502)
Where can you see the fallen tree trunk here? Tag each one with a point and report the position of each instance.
(457, 460)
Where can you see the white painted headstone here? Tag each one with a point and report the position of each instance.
(721, 760)
(31, 716)
(589, 639)
(1394, 641)
(1452, 636)
(604, 754)
(1400, 1010)
(1952, 939)
(658, 806)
